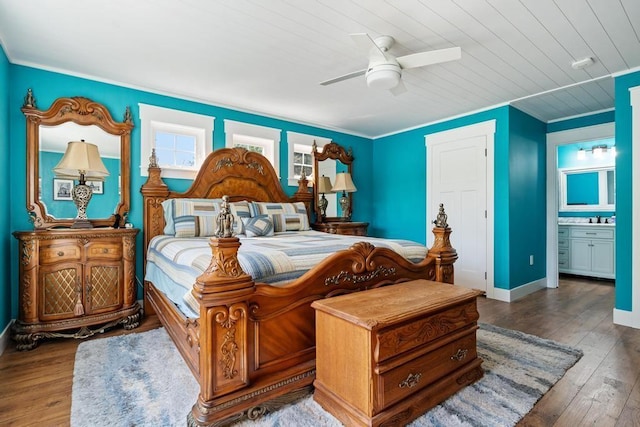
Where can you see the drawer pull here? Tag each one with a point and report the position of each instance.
(460, 355)
(60, 253)
(590, 234)
(105, 250)
(411, 381)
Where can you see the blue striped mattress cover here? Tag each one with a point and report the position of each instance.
(173, 264)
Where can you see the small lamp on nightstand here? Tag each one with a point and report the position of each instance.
(345, 184)
(81, 161)
(324, 186)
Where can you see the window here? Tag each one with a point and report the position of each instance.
(300, 156)
(182, 140)
(261, 139)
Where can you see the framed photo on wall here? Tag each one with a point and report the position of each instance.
(62, 189)
(96, 186)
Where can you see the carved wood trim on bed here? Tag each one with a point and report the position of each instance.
(253, 345)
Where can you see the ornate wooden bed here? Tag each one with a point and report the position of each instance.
(253, 346)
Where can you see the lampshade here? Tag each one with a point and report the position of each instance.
(324, 184)
(81, 158)
(582, 154)
(344, 183)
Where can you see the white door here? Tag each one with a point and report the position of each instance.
(458, 179)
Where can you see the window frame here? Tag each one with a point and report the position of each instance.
(154, 118)
(246, 133)
(294, 140)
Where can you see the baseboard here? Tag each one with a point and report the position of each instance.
(626, 318)
(4, 337)
(510, 295)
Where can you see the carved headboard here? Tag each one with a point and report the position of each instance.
(234, 172)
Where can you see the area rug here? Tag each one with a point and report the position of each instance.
(140, 379)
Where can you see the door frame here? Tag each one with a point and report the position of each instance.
(486, 129)
(554, 140)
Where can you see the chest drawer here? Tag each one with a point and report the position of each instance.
(406, 337)
(59, 251)
(109, 250)
(398, 380)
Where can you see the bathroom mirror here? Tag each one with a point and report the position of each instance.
(49, 200)
(587, 189)
(331, 160)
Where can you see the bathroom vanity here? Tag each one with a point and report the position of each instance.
(587, 250)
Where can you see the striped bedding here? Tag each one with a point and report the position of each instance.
(174, 263)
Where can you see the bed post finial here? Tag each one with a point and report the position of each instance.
(444, 254)
(224, 220)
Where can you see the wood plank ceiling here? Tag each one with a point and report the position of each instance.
(268, 56)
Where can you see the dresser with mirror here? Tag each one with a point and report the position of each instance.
(332, 169)
(75, 282)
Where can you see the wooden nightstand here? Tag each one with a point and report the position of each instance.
(342, 227)
(73, 279)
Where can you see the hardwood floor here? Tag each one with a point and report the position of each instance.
(602, 389)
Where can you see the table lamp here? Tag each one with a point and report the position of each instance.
(81, 161)
(324, 186)
(345, 184)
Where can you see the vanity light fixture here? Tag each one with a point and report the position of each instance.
(597, 150)
(81, 161)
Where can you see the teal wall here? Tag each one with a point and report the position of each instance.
(519, 192)
(6, 240)
(527, 198)
(47, 86)
(624, 188)
(579, 122)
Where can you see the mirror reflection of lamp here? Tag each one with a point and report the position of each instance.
(324, 186)
(81, 161)
(345, 184)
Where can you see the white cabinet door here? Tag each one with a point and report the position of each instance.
(580, 255)
(602, 257)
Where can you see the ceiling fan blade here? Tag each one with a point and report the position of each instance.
(344, 77)
(399, 89)
(366, 43)
(430, 57)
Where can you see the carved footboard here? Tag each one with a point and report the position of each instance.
(257, 342)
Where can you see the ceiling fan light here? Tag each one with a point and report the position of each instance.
(383, 77)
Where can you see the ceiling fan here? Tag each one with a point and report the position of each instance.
(384, 70)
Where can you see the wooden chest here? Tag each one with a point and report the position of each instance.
(387, 355)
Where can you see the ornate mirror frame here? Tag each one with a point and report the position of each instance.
(85, 112)
(335, 152)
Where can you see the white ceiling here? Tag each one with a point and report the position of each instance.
(268, 56)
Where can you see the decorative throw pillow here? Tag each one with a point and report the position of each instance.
(239, 210)
(175, 208)
(290, 222)
(285, 216)
(257, 226)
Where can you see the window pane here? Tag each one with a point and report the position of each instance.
(185, 143)
(296, 170)
(297, 158)
(307, 170)
(307, 159)
(165, 157)
(164, 140)
(185, 159)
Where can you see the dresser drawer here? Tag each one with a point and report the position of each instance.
(59, 251)
(563, 242)
(563, 232)
(409, 377)
(563, 254)
(406, 337)
(108, 250)
(593, 233)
